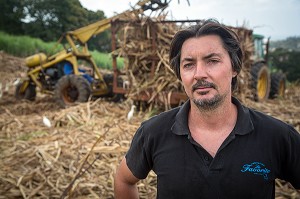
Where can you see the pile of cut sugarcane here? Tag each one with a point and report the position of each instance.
(144, 44)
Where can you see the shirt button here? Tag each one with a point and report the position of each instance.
(205, 158)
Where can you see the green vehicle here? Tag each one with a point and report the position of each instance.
(264, 83)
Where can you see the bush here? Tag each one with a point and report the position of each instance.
(23, 46)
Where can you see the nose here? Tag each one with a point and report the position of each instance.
(200, 71)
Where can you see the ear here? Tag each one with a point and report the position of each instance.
(234, 74)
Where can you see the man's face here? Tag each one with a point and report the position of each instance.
(206, 71)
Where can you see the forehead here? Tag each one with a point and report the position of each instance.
(203, 45)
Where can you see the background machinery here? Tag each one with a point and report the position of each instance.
(265, 84)
(61, 75)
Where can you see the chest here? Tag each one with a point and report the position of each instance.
(237, 171)
(210, 142)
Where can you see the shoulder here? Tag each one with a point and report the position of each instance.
(272, 127)
(157, 126)
(262, 119)
(257, 118)
(162, 121)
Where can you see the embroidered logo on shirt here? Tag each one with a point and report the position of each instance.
(256, 168)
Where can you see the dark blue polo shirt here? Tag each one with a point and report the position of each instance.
(259, 149)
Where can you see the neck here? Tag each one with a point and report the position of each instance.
(225, 113)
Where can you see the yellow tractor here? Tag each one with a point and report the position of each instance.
(61, 74)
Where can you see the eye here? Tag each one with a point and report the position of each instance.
(188, 65)
(213, 61)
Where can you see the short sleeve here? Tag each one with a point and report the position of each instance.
(292, 164)
(138, 157)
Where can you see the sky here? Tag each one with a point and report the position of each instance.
(277, 19)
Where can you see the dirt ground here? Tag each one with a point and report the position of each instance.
(77, 156)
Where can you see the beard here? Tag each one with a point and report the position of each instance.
(207, 104)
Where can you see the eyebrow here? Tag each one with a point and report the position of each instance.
(212, 55)
(188, 59)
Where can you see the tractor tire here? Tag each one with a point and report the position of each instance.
(71, 89)
(278, 85)
(260, 81)
(29, 93)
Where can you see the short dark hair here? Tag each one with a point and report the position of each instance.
(229, 38)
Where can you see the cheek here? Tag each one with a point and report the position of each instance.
(187, 74)
(187, 83)
(186, 78)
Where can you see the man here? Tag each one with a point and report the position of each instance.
(212, 146)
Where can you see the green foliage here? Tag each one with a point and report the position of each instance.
(291, 43)
(285, 56)
(25, 46)
(11, 14)
(288, 62)
(49, 19)
(104, 60)
(99, 42)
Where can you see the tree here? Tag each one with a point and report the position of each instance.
(288, 62)
(11, 15)
(48, 19)
(292, 43)
(101, 42)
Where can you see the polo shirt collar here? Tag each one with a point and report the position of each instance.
(243, 125)
(180, 126)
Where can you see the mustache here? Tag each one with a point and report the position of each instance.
(203, 83)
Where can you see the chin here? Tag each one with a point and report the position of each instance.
(198, 96)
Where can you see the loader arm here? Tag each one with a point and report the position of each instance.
(85, 33)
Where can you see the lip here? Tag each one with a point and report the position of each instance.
(202, 88)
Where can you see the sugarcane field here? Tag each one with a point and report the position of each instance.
(66, 124)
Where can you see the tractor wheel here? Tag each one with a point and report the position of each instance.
(260, 81)
(71, 89)
(277, 85)
(27, 93)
